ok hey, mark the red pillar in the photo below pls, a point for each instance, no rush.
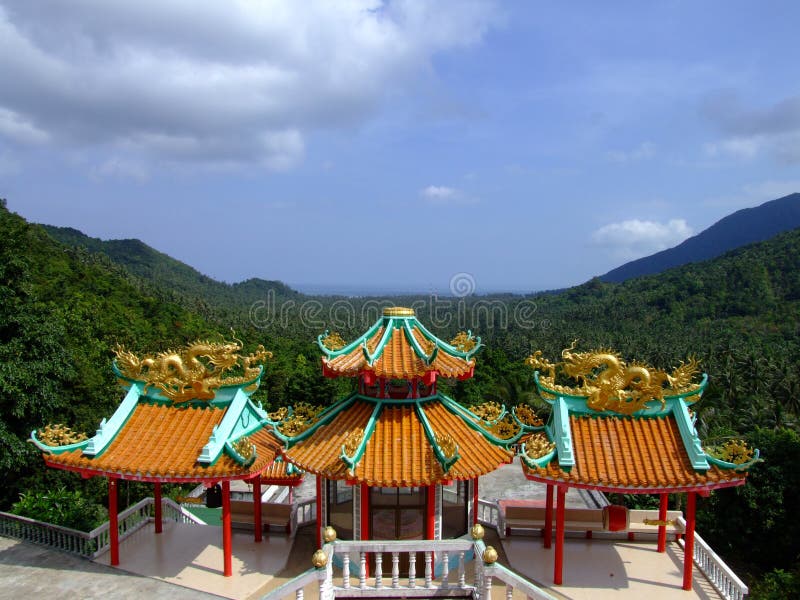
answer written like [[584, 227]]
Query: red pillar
[[226, 528], [113, 525], [558, 564], [257, 507], [548, 517], [688, 543], [662, 529], [157, 499], [319, 511], [475, 502], [430, 506]]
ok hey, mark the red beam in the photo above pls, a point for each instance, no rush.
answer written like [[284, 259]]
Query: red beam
[[662, 529], [226, 529], [113, 525], [157, 494], [257, 507], [558, 563], [548, 517], [702, 490], [688, 541]]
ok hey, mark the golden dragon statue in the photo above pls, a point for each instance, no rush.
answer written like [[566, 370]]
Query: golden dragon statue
[[193, 372], [609, 383]]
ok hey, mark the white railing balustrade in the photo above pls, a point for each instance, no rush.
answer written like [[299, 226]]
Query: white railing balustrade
[[489, 514], [37, 532], [304, 513], [439, 579], [714, 568], [97, 541]]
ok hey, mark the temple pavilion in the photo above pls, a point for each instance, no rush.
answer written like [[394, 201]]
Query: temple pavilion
[[384, 454], [625, 428], [187, 416]]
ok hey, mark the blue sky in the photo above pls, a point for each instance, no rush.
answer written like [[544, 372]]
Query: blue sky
[[364, 144]]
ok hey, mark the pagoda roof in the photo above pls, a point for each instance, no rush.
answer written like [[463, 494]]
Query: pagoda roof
[[625, 428], [632, 455], [398, 346], [398, 443], [201, 428]]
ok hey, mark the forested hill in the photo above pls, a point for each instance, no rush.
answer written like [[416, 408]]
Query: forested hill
[[169, 273], [742, 227]]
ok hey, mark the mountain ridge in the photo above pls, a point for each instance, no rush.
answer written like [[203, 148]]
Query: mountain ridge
[[745, 226]]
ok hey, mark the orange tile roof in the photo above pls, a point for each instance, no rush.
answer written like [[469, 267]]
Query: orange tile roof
[[398, 360], [636, 453], [398, 454], [162, 443]]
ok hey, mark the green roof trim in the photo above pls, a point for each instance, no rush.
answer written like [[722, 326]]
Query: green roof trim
[[56, 449], [352, 461], [437, 450], [561, 434], [393, 323], [109, 429]]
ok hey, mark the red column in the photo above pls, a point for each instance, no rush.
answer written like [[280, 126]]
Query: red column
[[475, 502], [319, 511], [157, 499], [226, 528], [548, 517], [113, 525], [430, 506], [257, 507], [558, 565], [688, 543], [662, 529]]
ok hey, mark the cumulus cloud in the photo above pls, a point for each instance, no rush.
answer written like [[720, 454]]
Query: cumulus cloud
[[748, 133], [643, 151], [635, 238], [214, 83], [442, 194]]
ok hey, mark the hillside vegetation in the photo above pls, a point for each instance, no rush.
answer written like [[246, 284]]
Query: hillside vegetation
[[63, 306]]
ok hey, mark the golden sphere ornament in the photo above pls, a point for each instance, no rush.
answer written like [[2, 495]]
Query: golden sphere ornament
[[328, 534], [319, 559], [490, 555], [477, 531]]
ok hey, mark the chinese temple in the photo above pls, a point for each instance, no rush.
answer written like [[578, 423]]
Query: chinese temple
[[625, 428], [187, 416], [398, 459], [383, 454]]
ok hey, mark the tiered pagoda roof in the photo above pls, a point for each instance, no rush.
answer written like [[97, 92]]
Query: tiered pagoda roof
[[186, 417], [398, 346], [398, 430], [627, 428]]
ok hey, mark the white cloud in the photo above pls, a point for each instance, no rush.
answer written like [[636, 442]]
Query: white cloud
[[439, 192], [635, 238], [215, 83], [750, 133], [442, 194], [643, 151]]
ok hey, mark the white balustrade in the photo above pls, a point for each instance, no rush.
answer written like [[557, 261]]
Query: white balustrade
[[720, 575]]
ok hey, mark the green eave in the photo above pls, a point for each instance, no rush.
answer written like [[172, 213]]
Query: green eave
[[395, 325]]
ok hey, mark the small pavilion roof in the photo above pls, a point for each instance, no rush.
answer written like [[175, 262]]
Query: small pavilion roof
[[625, 428], [201, 428], [398, 443], [398, 346]]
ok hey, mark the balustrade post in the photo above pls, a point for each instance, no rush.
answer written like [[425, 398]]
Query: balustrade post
[[428, 569], [462, 575], [378, 570], [445, 569], [487, 584], [362, 576], [395, 570], [412, 570], [346, 570]]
